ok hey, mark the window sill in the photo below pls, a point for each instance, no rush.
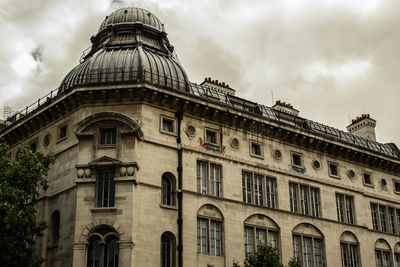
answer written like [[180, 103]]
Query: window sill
[[369, 185], [170, 207], [257, 156], [334, 176], [61, 139], [106, 209], [168, 133], [100, 146]]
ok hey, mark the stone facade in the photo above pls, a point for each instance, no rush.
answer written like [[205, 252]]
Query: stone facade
[[154, 125]]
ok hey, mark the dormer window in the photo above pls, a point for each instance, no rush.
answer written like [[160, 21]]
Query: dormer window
[[108, 136]]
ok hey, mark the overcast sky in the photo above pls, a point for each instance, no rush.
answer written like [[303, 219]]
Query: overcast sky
[[331, 59]]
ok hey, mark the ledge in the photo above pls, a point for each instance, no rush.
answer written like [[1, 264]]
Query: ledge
[[168, 207], [107, 209]]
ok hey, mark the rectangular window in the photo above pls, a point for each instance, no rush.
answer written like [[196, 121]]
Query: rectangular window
[[202, 236], [304, 200], [297, 160], [62, 132], [247, 188], [382, 258], [256, 149], [167, 125], [254, 236], [367, 178], [33, 146], [349, 254], [209, 237], [392, 220], [209, 179], [259, 189], [105, 189], [385, 219], [108, 136], [396, 186], [374, 215], [333, 169], [345, 208], [211, 137]]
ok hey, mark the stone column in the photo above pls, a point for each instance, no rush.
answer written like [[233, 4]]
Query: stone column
[[125, 253]]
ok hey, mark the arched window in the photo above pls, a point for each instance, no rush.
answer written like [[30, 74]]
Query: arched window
[[103, 249], [168, 189], [382, 254], [397, 255], [349, 250], [308, 245], [209, 231], [260, 229], [55, 227], [168, 253]]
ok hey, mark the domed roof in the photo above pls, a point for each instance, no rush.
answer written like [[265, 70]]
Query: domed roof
[[131, 46], [132, 15]]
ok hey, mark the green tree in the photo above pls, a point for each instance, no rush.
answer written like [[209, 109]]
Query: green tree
[[266, 256], [20, 182]]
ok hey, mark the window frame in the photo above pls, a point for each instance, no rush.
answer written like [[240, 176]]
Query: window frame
[[269, 189], [102, 130], [337, 166], [60, 132], [111, 188], [301, 252], [395, 181], [260, 147], [170, 192], [346, 217], [371, 184], [172, 120], [208, 238], [210, 183], [305, 204], [382, 252], [350, 245], [217, 137], [104, 242], [381, 221], [254, 229], [292, 158]]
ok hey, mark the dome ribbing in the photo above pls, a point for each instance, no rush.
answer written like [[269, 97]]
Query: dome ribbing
[[131, 46]]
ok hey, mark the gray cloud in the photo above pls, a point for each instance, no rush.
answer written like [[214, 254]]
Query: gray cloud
[[330, 60]]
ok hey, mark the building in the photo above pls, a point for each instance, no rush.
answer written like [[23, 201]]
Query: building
[[154, 170]]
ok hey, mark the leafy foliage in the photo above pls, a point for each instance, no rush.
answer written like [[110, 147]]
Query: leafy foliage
[[266, 256], [20, 182]]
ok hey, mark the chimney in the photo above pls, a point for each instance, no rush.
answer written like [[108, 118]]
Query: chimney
[[363, 126], [220, 86], [286, 108]]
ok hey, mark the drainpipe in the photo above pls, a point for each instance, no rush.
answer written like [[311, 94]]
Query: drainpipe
[[179, 117]]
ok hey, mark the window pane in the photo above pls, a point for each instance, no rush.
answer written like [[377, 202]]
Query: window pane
[[258, 190], [273, 239], [261, 236], [315, 206], [105, 189], [345, 255], [353, 256], [202, 236], [247, 187], [304, 199], [318, 256], [391, 216], [349, 209], [215, 179], [202, 177], [378, 258], [374, 215], [248, 240], [397, 260], [382, 215], [271, 195], [94, 253], [111, 252], [386, 259], [340, 207], [215, 242], [293, 198], [297, 247], [166, 191], [307, 247]]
